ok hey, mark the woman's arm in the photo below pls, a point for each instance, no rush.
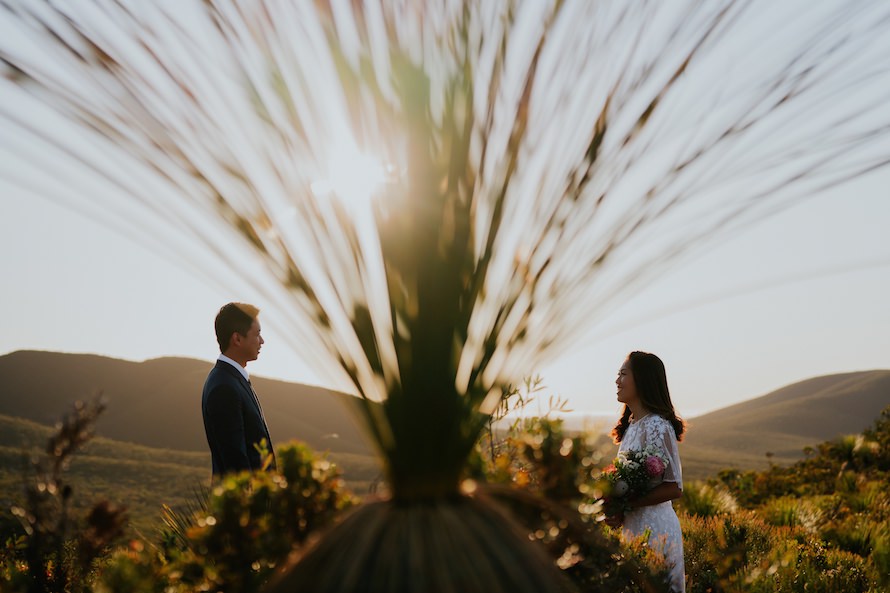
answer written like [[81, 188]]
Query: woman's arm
[[662, 493]]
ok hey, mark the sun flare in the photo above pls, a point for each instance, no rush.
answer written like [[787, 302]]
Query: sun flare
[[353, 176]]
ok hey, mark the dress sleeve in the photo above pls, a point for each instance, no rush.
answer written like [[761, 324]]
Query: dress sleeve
[[661, 434]]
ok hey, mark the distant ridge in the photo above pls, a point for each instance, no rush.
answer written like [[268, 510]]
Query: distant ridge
[[157, 403], [785, 421]]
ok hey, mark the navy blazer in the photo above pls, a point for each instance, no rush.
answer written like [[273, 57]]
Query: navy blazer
[[233, 421]]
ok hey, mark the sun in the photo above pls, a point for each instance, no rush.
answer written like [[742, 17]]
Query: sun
[[353, 176]]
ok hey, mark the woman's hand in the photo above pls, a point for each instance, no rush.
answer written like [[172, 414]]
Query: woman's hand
[[614, 521]]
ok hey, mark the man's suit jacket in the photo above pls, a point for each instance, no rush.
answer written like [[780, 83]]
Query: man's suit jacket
[[233, 421]]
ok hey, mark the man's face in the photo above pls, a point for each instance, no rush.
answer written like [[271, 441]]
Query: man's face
[[249, 345]]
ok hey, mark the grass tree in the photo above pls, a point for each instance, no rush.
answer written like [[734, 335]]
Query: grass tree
[[435, 197]]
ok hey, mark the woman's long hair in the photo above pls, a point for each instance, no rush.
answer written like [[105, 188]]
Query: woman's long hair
[[651, 381]]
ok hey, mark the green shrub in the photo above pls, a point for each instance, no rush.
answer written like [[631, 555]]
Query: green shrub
[[880, 553], [248, 526], [136, 568], [790, 511], [870, 497], [809, 567], [61, 544], [703, 567], [721, 551], [705, 500], [547, 478]]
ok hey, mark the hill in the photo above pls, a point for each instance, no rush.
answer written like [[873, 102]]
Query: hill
[[784, 422], [157, 403]]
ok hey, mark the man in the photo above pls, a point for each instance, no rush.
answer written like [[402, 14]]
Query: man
[[233, 418]]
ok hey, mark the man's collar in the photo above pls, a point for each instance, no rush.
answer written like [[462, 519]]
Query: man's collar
[[240, 368]]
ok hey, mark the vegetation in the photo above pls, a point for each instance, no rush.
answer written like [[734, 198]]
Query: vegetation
[[822, 524], [58, 547], [230, 539], [241, 532], [786, 529], [548, 479]]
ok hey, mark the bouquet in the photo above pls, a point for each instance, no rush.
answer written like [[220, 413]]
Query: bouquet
[[631, 475]]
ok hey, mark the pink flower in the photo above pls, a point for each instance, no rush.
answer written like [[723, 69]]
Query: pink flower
[[654, 466]]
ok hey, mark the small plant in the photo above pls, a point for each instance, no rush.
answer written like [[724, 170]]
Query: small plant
[[60, 545], [706, 500], [880, 553], [792, 512], [177, 521]]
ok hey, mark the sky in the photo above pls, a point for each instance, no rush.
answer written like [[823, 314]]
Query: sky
[[801, 294]]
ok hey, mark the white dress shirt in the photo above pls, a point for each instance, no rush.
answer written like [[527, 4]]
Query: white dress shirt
[[240, 368]]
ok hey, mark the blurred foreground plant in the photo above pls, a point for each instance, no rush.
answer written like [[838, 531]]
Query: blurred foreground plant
[[61, 544], [548, 477], [434, 197], [240, 533]]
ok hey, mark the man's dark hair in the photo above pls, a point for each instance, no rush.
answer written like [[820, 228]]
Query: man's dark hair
[[232, 318]]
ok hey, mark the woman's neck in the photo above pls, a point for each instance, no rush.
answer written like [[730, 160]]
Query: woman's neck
[[638, 411]]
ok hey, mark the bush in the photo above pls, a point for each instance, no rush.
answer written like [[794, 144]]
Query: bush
[[547, 478], [705, 500], [880, 553], [790, 511], [60, 547], [723, 551], [704, 568], [248, 526], [807, 566]]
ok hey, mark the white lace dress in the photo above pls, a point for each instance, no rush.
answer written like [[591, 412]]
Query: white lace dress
[[660, 519]]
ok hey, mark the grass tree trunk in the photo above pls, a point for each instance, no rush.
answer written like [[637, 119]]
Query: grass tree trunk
[[456, 544]]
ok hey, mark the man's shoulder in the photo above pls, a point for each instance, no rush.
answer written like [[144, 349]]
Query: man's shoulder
[[221, 386], [221, 375]]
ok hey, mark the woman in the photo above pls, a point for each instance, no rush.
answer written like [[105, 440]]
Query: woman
[[649, 419]]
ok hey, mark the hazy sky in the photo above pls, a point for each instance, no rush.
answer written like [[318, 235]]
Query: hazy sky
[[801, 294]]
